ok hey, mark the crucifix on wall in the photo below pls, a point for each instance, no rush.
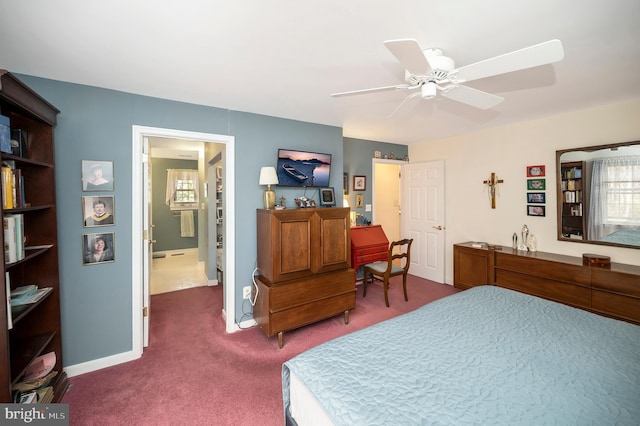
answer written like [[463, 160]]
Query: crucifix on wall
[[492, 185]]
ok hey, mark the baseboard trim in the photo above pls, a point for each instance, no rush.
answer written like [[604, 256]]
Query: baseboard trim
[[99, 364]]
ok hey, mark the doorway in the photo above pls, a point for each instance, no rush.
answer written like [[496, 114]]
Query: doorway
[[179, 245], [141, 226], [386, 196]]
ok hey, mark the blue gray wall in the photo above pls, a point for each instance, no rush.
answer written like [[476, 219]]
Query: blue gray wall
[[166, 231], [96, 124], [357, 162]]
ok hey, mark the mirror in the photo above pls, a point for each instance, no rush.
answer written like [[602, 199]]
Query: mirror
[[598, 191]]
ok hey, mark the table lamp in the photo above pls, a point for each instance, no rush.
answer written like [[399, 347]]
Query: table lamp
[[269, 177]]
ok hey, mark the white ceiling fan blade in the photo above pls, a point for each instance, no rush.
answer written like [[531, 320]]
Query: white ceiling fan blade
[[410, 55], [373, 90], [473, 97], [529, 57]]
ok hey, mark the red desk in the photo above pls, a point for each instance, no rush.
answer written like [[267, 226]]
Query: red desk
[[368, 244]]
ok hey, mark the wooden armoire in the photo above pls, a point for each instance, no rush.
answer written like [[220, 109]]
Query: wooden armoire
[[304, 272]]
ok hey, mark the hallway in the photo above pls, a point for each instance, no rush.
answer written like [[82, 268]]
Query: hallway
[[177, 271]]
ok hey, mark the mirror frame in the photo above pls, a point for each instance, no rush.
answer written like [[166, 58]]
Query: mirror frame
[[559, 192]]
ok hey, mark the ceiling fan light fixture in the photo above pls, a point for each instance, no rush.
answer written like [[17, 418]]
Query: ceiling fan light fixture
[[429, 90]]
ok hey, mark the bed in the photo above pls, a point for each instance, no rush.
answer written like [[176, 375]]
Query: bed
[[629, 237], [487, 355]]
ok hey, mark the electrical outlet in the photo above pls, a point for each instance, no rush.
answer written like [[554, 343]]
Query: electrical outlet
[[246, 292]]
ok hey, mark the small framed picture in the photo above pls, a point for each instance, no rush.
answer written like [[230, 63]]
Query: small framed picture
[[536, 197], [359, 183], [345, 184], [98, 211], [535, 171], [97, 175], [97, 248], [536, 184], [327, 197], [359, 201], [535, 211]]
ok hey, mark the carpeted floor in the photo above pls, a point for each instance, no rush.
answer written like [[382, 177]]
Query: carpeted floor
[[193, 373]]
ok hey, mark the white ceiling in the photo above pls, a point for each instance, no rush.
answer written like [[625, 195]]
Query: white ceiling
[[284, 57]]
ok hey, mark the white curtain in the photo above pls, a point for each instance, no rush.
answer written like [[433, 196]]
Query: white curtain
[[614, 181], [597, 202], [173, 176]]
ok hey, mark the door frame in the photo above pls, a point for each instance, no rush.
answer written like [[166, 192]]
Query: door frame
[[138, 279]]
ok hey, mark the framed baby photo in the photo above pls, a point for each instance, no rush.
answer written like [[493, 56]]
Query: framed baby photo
[[535, 211], [536, 184], [98, 210], [97, 248], [535, 171], [97, 175]]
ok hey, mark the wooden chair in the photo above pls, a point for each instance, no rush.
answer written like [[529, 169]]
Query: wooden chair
[[388, 269]]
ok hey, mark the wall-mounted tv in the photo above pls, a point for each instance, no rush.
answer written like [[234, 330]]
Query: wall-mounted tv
[[303, 168]]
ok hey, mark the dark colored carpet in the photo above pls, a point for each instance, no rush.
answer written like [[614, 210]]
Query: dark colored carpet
[[194, 373]]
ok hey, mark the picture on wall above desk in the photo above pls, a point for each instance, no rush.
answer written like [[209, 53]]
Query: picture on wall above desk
[[359, 183], [345, 184], [98, 211], [97, 175]]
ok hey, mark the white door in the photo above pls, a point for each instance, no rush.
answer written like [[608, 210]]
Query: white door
[[147, 244], [423, 217]]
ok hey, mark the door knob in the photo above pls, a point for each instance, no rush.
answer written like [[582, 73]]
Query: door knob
[[439, 227]]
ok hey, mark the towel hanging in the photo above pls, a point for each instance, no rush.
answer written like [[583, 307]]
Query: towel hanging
[[186, 224]]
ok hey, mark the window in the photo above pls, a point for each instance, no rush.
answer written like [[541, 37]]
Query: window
[[182, 189], [621, 182], [185, 192]]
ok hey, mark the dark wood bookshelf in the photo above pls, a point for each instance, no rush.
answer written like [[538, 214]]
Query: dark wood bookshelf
[[35, 329]]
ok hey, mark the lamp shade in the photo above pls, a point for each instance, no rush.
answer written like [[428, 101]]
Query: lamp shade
[[268, 176]]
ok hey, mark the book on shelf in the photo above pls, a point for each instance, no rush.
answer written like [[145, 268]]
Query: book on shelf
[[12, 186], [7, 283], [13, 225], [30, 298], [28, 398], [24, 290], [7, 186], [45, 395]]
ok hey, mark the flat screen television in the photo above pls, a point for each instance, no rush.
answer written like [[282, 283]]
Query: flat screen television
[[303, 168]]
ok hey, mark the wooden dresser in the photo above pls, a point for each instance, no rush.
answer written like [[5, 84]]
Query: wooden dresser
[[612, 292], [368, 244], [304, 268]]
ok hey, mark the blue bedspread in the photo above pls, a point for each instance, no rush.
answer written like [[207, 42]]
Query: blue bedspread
[[486, 356], [629, 237]]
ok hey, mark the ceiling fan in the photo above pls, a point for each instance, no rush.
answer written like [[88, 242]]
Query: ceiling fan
[[428, 71]]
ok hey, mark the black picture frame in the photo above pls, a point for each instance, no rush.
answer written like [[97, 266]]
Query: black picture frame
[[536, 197], [327, 197], [359, 183], [536, 210]]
